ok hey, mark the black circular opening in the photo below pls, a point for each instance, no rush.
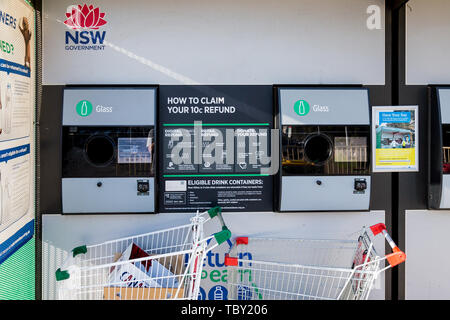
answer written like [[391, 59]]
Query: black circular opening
[[318, 148], [99, 150]]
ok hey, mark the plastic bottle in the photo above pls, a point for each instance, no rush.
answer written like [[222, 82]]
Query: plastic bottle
[[84, 109]]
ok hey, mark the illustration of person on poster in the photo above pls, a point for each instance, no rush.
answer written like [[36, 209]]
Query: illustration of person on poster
[[24, 28]]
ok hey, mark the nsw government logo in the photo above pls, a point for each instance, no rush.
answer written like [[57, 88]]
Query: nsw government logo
[[84, 23], [301, 107]]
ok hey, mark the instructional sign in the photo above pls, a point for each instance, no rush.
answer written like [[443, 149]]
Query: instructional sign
[[395, 138], [17, 107], [215, 148]]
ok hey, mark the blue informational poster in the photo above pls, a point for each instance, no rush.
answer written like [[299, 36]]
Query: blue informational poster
[[17, 109]]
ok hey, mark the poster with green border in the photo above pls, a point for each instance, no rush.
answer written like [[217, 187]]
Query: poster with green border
[[17, 163]]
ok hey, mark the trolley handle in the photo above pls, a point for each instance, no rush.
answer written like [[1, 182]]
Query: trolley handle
[[397, 256], [225, 234], [64, 274]]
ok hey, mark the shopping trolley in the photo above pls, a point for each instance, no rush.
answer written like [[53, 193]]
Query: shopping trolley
[[299, 269], [165, 264]]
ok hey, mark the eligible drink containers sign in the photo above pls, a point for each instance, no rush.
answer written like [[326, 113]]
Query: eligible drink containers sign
[[395, 138]]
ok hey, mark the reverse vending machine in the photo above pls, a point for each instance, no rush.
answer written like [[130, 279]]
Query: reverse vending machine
[[439, 147], [325, 148], [108, 137]]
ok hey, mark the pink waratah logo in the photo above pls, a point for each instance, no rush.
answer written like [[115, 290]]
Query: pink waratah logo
[[84, 17]]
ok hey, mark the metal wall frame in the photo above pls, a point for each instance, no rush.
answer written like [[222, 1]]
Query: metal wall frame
[[390, 186]]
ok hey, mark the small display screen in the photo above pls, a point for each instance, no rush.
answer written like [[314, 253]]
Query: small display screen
[[134, 150]]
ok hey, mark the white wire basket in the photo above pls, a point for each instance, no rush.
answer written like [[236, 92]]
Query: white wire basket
[[165, 264], [305, 269]]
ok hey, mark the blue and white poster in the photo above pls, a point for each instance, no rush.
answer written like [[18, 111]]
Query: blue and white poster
[[17, 108]]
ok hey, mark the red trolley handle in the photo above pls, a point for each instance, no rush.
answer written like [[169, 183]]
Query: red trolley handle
[[397, 256]]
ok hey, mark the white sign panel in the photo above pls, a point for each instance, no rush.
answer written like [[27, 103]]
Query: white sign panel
[[219, 42], [427, 42]]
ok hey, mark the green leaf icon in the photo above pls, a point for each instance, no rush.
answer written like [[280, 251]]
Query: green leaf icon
[[301, 107], [84, 108]]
